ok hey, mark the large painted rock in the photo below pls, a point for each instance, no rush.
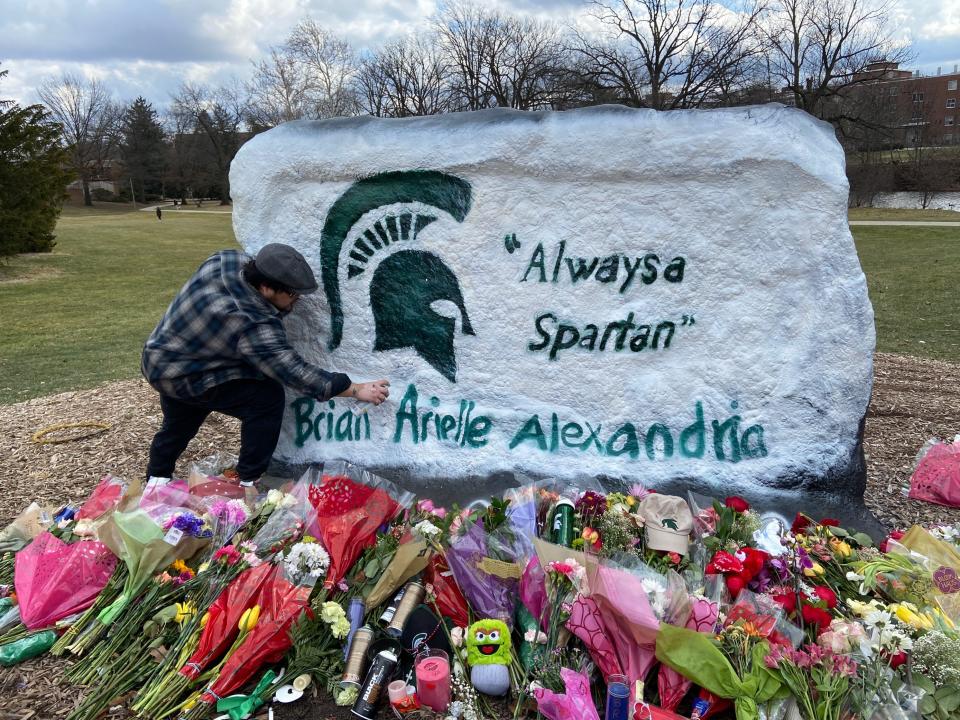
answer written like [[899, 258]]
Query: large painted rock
[[647, 296]]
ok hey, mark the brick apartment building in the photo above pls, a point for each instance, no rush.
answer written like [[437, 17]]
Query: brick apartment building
[[923, 110]]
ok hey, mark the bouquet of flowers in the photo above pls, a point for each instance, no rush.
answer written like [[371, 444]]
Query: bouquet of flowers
[[490, 584], [219, 630], [55, 580], [350, 505], [284, 597], [145, 543]]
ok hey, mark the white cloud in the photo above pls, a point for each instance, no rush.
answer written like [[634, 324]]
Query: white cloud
[[148, 47], [934, 19]]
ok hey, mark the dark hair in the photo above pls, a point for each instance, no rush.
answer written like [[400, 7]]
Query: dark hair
[[253, 275]]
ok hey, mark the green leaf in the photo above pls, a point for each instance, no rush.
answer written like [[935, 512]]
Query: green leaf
[[839, 532], [863, 539], [951, 702], [928, 705], [372, 568], [924, 683]]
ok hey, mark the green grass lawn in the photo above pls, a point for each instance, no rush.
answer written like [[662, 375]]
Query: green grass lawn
[[895, 214], [79, 316], [912, 274]]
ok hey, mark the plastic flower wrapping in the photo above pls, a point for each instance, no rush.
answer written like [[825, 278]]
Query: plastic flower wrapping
[[54, 580], [197, 595], [350, 504]]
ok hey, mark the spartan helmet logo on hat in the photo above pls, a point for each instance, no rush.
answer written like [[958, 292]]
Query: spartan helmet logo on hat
[[407, 281]]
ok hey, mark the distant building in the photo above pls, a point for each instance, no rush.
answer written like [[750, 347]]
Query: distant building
[[75, 189], [922, 110]]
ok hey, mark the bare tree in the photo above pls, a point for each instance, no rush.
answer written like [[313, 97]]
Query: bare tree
[[329, 63], [669, 54], [278, 90], [463, 31], [525, 63], [309, 76], [89, 118], [499, 60], [407, 77], [819, 49], [216, 116]]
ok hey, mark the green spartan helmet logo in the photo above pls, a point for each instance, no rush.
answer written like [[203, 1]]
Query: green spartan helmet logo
[[408, 281]]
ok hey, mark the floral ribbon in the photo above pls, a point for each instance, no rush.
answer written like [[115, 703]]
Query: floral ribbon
[[241, 706]]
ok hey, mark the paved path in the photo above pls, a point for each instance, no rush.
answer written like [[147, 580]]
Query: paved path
[[169, 207]]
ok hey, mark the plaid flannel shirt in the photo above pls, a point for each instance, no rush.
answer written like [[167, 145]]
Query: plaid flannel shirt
[[220, 328]]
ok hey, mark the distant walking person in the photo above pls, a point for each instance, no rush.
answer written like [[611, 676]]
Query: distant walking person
[[159, 213]]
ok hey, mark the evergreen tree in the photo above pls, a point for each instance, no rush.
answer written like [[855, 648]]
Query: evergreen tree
[[32, 178], [142, 148]]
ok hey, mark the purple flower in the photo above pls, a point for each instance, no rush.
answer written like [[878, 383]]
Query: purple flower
[[761, 582], [779, 568]]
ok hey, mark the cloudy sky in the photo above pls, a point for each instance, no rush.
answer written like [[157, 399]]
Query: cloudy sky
[[148, 47]]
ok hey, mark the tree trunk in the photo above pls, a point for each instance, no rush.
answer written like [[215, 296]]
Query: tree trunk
[[87, 198]]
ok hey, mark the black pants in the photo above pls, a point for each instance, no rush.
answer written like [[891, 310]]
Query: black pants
[[258, 404]]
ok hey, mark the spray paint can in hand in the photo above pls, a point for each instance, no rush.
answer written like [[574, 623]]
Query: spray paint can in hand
[[374, 688]]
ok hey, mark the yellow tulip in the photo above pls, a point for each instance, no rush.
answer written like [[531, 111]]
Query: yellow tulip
[[631, 500], [248, 621], [204, 619], [906, 615], [841, 548], [817, 569], [185, 611]]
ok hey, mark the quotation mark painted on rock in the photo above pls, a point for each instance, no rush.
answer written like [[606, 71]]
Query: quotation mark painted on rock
[[511, 243], [687, 320]]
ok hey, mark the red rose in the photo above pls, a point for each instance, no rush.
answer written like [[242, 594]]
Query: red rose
[[817, 617], [737, 504], [897, 660], [753, 562], [735, 584], [895, 535], [826, 595], [788, 601], [830, 522], [800, 523], [723, 563]]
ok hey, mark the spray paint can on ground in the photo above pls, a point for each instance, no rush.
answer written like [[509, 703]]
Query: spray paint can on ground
[[387, 617], [356, 657], [413, 595], [374, 688], [563, 515], [355, 615]]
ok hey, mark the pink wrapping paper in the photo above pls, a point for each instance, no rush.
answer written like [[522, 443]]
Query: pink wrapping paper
[[55, 580], [575, 704], [671, 684]]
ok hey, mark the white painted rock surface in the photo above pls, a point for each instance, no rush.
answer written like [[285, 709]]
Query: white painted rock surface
[[647, 296]]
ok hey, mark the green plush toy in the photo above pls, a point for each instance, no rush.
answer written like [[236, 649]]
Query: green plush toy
[[488, 652]]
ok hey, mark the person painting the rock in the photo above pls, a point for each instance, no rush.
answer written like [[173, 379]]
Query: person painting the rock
[[221, 347]]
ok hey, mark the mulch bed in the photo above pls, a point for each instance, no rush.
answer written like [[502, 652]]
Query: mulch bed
[[913, 400]]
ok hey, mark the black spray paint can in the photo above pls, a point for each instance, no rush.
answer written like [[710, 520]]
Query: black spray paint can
[[374, 688], [387, 617]]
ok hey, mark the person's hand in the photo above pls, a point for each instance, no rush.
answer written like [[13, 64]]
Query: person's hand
[[372, 392]]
